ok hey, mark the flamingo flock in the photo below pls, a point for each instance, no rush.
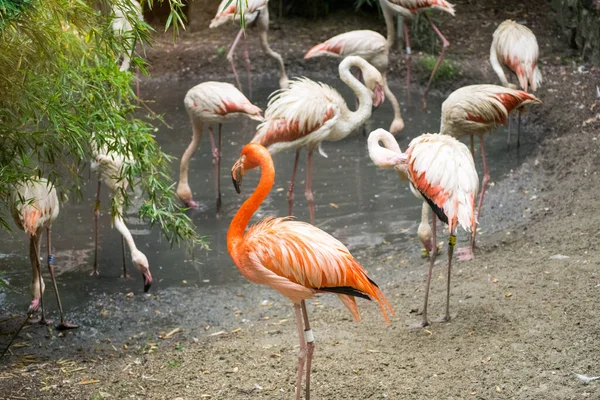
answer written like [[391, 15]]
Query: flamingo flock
[[296, 258]]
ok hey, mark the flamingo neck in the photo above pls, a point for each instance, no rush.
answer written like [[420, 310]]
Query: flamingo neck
[[388, 16], [240, 222], [354, 119]]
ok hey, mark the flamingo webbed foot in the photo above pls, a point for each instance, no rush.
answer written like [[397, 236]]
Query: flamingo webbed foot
[[465, 253], [444, 318], [66, 325], [95, 272], [421, 324]]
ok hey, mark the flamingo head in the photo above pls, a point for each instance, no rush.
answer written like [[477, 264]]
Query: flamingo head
[[140, 262], [252, 154], [374, 82]]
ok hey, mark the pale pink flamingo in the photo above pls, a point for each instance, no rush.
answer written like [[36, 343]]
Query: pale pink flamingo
[[34, 207], [123, 29], [256, 14], [516, 47], [477, 110], [308, 113], [441, 171], [408, 8], [211, 103], [369, 45], [110, 166], [294, 258]]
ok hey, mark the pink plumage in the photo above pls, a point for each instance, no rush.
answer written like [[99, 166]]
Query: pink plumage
[[515, 46]]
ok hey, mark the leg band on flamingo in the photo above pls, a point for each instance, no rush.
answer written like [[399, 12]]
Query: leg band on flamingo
[[309, 336]]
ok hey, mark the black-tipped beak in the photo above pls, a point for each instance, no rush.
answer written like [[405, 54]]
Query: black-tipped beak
[[147, 287], [236, 185]]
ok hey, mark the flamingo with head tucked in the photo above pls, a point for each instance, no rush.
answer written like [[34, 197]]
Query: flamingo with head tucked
[[408, 8], [369, 45], [34, 207], [256, 14], [516, 47], [211, 103], [441, 171], [308, 113], [294, 258]]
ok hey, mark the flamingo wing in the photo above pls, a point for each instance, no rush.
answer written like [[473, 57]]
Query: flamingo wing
[[290, 253], [219, 99], [361, 43], [415, 5], [302, 114], [442, 170], [517, 47]]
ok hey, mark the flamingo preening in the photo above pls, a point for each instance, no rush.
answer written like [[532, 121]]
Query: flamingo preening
[[308, 113], [110, 166], [369, 45], [122, 29], [515, 46], [256, 14], [294, 258], [211, 103], [408, 8], [477, 110], [441, 171], [34, 207]]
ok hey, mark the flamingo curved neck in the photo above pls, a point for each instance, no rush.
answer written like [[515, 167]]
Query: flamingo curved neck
[[242, 217], [354, 119]]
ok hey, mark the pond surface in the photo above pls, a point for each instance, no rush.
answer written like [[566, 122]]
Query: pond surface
[[357, 203]]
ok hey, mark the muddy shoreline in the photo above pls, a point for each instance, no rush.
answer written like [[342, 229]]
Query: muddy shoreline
[[525, 322]]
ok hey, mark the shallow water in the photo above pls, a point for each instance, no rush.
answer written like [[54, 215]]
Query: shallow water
[[357, 203]]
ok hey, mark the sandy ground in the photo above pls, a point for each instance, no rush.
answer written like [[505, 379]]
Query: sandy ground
[[525, 321]]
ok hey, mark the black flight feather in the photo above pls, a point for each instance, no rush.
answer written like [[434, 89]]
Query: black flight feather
[[438, 211], [350, 291]]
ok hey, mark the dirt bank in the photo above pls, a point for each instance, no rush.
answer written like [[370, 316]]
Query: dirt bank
[[526, 321]]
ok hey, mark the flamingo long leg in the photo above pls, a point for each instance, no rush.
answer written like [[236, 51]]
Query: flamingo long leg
[[247, 60], [472, 139], [432, 256], [451, 243], [408, 57], [509, 126], [445, 44], [230, 57], [124, 259], [216, 163], [96, 217], [310, 347], [486, 178], [518, 128], [308, 191], [35, 244], [219, 154], [63, 324], [301, 352], [290, 194]]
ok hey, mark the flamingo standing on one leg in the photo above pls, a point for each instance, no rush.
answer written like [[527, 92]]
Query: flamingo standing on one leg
[[256, 14], [408, 8], [122, 28], [294, 258], [307, 113], [477, 110], [372, 47], [211, 102], [516, 47], [110, 166], [441, 172], [34, 207]]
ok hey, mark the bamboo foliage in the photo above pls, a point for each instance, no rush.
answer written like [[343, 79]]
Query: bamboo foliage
[[60, 84]]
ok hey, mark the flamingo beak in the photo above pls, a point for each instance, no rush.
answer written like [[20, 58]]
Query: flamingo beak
[[147, 281], [378, 96], [237, 173]]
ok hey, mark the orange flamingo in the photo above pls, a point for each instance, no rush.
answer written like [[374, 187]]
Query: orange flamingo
[[477, 110], [372, 47], [293, 257], [441, 171], [34, 207], [408, 8], [308, 113], [517, 48], [211, 103]]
